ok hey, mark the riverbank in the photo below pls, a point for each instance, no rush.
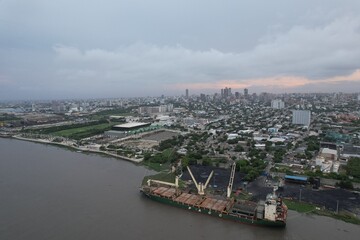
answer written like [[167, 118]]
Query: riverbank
[[308, 208], [300, 207], [83, 149]]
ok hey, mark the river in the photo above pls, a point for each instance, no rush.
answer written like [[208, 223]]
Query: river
[[48, 192]]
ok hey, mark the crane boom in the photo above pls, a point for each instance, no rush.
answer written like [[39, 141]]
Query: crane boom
[[200, 187], [176, 184], [193, 178], [208, 180], [231, 180]]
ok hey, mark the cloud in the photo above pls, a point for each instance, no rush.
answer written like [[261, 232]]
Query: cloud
[[279, 84], [296, 58], [153, 49]]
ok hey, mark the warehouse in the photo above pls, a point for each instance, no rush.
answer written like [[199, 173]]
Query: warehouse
[[131, 126], [296, 179]]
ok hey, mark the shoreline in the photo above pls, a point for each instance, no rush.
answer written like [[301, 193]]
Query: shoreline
[[341, 217], [75, 148]]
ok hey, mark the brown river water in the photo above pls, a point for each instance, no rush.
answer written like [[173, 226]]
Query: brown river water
[[48, 192]]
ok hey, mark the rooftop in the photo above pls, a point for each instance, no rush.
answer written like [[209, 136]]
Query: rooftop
[[131, 125], [297, 178]]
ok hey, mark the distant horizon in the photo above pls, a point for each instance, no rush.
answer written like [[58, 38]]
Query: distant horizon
[[180, 95]]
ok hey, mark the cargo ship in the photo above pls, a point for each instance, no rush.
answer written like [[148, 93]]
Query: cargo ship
[[271, 212]]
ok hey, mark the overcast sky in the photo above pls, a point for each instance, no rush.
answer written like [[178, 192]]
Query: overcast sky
[[115, 48]]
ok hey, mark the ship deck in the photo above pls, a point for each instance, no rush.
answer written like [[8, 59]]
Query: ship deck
[[205, 202]]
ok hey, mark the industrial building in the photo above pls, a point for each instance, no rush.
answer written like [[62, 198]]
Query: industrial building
[[328, 160], [130, 126], [296, 179], [156, 109], [301, 117]]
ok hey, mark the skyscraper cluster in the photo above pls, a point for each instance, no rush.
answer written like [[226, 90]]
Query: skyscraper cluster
[[226, 92]]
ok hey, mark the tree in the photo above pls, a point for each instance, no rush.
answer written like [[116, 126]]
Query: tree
[[289, 145], [206, 161], [353, 167], [238, 148], [233, 141], [268, 146], [241, 164], [345, 184], [147, 156]]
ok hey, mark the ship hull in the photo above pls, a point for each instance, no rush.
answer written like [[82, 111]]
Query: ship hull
[[223, 215]]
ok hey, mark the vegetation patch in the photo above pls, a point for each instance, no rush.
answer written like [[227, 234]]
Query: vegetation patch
[[116, 111], [301, 207], [8, 117], [156, 166], [83, 132], [353, 168], [304, 207]]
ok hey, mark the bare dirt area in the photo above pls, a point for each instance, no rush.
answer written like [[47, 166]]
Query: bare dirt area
[[160, 136], [141, 144]]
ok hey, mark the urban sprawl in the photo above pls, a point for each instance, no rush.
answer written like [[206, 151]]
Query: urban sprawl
[[307, 145]]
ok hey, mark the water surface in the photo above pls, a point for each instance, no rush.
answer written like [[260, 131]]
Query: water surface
[[47, 192]]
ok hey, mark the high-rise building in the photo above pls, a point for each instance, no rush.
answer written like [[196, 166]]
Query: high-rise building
[[226, 92], [301, 117], [187, 93], [277, 104], [246, 92], [237, 95]]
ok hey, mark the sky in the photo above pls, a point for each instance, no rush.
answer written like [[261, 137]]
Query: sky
[[133, 48]]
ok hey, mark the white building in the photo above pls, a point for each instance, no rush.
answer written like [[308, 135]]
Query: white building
[[156, 109], [277, 104], [301, 117], [328, 160]]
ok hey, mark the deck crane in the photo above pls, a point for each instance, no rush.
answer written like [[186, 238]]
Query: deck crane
[[231, 181], [176, 184], [200, 187]]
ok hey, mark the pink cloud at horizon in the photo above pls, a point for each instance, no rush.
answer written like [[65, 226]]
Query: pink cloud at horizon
[[286, 82]]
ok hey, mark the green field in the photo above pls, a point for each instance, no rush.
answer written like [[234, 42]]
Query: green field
[[157, 166], [83, 132], [299, 206], [106, 113]]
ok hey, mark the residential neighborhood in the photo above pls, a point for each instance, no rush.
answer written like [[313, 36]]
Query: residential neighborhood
[[270, 137]]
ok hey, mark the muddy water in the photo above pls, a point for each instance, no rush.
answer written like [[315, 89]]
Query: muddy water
[[47, 192]]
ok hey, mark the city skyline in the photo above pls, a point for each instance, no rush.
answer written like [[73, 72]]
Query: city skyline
[[132, 48]]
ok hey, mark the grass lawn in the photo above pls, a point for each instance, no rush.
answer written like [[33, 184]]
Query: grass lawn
[[83, 132], [156, 166], [299, 206]]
